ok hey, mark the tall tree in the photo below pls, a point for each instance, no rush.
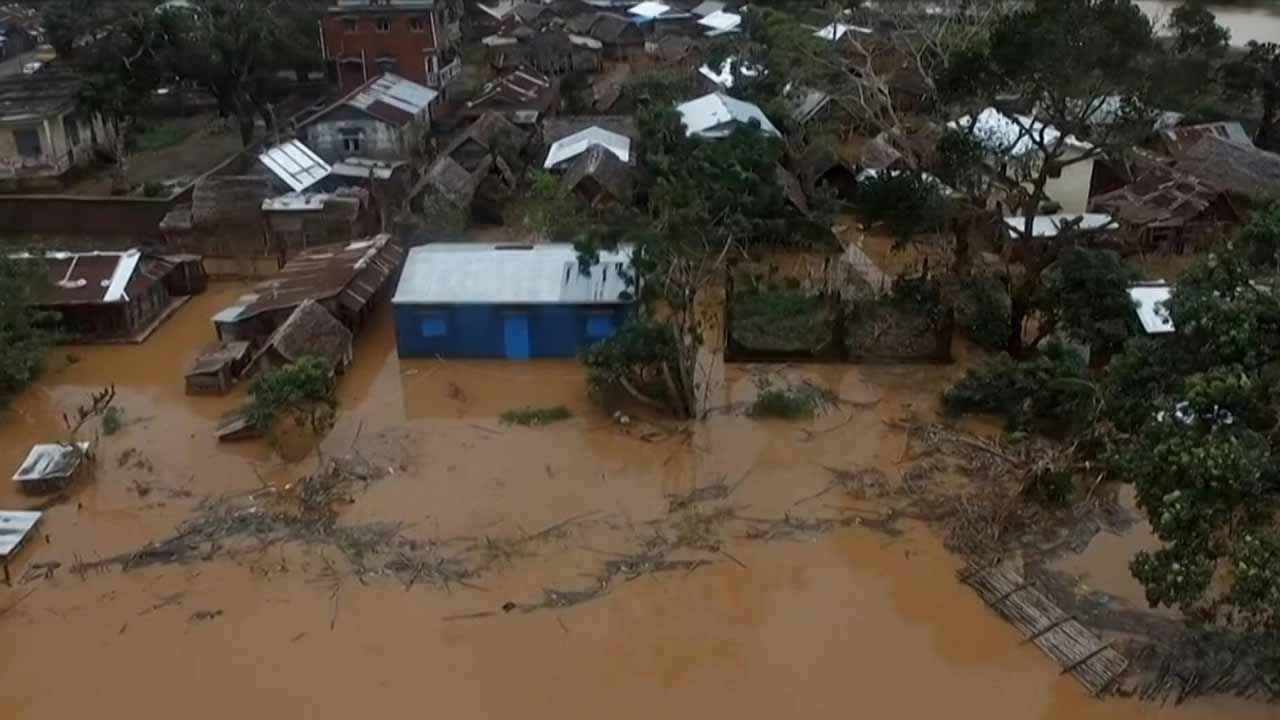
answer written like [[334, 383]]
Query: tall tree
[[1255, 77], [119, 71], [1079, 68], [1196, 30], [24, 334]]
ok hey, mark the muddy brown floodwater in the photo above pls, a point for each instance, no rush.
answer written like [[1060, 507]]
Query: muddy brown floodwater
[[853, 623]]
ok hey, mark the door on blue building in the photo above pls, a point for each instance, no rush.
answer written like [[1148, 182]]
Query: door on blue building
[[515, 326]]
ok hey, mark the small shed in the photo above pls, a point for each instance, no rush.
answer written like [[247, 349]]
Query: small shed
[[216, 368], [15, 527], [50, 467], [598, 176], [467, 300], [310, 330]]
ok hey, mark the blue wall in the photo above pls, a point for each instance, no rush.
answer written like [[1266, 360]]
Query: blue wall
[[490, 331]]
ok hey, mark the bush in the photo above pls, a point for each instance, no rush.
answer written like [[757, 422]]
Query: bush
[[535, 417], [112, 421], [982, 311], [781, 320], [640, 361], [160, 137], [1049, 388], [784, 404]]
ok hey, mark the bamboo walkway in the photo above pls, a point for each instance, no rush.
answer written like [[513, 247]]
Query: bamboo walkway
[[1095, 664]]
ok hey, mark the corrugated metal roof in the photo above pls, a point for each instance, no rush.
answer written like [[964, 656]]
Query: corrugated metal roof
[[710, 115], [388, 97], [1011, 135], [295, 164], [728, 72], [15, 526], [1046, 226], [837, 31], [351, 272], [564, 150], [649, 9], [358, 167], [1150, 302], [710, 7], [720, 22], [50, 460], [87, 277], [474, 274]]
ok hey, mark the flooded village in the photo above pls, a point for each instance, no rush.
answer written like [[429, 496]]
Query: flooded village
[[660, 357]]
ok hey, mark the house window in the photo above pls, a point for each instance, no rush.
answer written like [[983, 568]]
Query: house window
[[28, 142], [72, 126], [388, 65], [384, 24], [352, 139], [349, 25], [433, 325], [416, 25], [600, 325]]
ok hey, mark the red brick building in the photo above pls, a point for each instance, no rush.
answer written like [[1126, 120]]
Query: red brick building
[[366, 38]]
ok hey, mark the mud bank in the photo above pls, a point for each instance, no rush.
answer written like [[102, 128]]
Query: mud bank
[[853, 620]]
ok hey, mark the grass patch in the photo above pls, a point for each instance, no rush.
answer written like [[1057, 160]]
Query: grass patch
[[800, 402], [112, 421], [781, 320], [159, 137], [536, 417]]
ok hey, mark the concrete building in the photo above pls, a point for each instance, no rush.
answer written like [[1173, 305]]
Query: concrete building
[[387, 118], [42, 132], [513, 302], [362, 39]]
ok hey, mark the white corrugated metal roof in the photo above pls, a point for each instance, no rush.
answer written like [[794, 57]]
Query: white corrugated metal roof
[[50, 460], [710, 7], [295, 164], [709, 115], [359, 167], [397, 92], [838, 30], [476, 274], [649, 9], [721, 22], [120, 277], [1044, 226], [1012, 135], [570, 147], [1150, 302], [295, 202], [15, 526]]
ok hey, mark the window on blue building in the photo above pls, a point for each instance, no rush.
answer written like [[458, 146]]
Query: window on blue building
[[433, 325], [600, 325]]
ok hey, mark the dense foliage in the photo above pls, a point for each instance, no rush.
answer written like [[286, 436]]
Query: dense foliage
[[1049, 390], [302, 392], [24, 334]]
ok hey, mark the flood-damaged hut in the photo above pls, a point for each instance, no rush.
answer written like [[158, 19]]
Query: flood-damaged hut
[[598, 177], [51, 466], [216, 368], [347, 279], [522, 95], [15, 527], [109, 296], [223, 223], [310, 331], [1170, 211], [480, 168]]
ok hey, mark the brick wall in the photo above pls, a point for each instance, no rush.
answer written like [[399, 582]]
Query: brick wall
[[367, 44]]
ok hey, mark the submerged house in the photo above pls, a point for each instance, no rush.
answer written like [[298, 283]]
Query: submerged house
[[104, 296], [346, 279], [43, 132], [1013, 141], [51, 466], [386, 118], [309, 331], [515, 302]]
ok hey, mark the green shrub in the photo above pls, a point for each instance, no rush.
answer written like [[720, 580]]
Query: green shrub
[[781, 320], [982, 311], [800, 402], [1048, 388], [112, 421], [536, 417]]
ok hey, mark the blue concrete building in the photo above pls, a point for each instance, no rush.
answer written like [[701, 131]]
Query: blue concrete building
[[469, 300]]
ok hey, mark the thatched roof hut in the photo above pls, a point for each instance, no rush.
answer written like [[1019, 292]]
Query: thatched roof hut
[[598, 174], [310, 331]]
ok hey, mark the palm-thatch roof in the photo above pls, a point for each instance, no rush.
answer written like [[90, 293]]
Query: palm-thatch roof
[[1237, 168], [310, 331], [598, 171], [455, 183], [1164, 198]]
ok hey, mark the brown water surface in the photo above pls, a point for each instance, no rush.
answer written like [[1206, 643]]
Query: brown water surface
[[855, 623]]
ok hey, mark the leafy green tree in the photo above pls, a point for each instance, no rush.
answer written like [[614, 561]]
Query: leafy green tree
[[25, 336], [1255, 77], [119, 71], [1085, 294], [301, 393], [1049, 390], [1199, 415], [1196, 30], [909, 204], [1260, 237], [1109, 46]]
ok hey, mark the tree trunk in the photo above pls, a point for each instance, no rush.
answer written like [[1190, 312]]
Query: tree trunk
[[1266, 127], [244, 120], [120, 174], [1018, 309], [961, 228]]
